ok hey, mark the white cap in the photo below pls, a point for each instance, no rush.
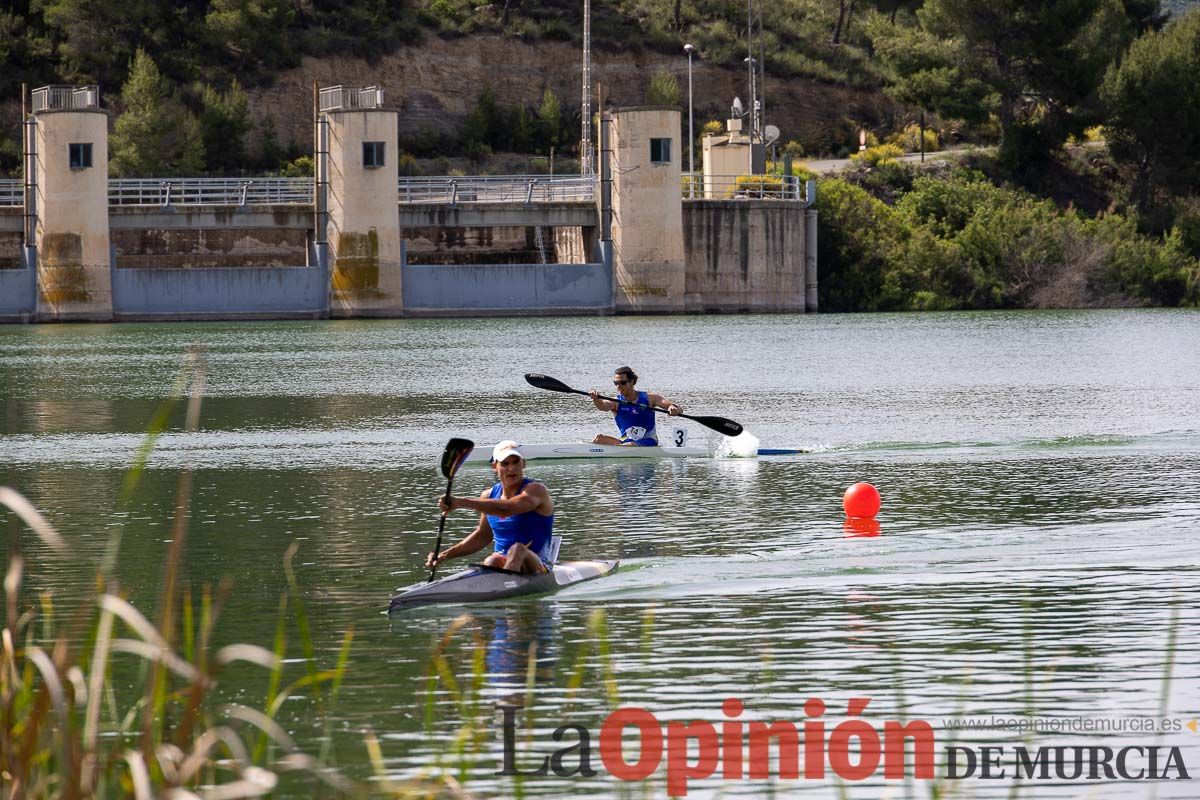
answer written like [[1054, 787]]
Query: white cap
[[505, 449]]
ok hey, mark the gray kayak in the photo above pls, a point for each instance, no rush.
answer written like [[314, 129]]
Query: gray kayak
[[479, 584]]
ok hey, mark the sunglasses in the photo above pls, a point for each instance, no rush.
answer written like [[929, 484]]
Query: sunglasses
[[620, 383]]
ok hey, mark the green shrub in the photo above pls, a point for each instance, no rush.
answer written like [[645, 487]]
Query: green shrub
[[1187, 221], [910, 139], [556, 28], [406, 165], [799, 65], [887, 180], [932, 275], [800, 170], [302, 167], [948, 205], [964, 243], [878, 154], [1153, 271], [518, 28], [1009, 249], [858, 238], [755, 186], [1092, 134], [445, 14], [663, 90]]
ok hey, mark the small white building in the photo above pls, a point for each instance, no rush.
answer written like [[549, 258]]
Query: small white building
[[728, 155]]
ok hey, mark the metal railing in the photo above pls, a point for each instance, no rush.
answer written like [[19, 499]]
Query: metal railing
[[527, 189], [210, 191], [54, 98], [696, 186], [11, 193], [498, 189], [350, 98]]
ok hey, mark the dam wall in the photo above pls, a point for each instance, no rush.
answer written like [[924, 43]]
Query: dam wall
[[358, 241]]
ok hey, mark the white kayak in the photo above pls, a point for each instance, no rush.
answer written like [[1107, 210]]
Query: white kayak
[[482, 454], [481, 584]]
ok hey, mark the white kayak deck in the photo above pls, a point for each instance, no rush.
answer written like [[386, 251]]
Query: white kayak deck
[[482, 454], [481, 584]]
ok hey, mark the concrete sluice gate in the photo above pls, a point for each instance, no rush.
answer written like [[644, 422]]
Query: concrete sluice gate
[[357, 242]]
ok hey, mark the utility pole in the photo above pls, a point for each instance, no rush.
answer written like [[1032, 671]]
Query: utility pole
[[762, 72]]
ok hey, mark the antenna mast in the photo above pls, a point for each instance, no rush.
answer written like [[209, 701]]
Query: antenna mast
[[757, 76], [585, 143]]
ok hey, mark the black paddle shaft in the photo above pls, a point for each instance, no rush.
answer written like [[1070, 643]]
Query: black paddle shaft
[[456, 452], [719, 424]]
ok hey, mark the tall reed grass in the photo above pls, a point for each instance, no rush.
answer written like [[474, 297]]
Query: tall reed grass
[[70, 729]]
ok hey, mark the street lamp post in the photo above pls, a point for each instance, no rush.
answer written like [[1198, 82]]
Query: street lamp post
[[687, 48]]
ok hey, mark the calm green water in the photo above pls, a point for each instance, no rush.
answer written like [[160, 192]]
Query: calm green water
[[1039, 472]]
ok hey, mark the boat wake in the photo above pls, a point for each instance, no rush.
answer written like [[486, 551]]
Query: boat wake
[[744, 445]]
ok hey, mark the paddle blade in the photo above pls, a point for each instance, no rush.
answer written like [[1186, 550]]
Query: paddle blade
[[720, 425], [546, 382], [456, 453]]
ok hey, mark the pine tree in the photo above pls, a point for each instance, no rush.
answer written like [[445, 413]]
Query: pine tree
[[24, 49], [155, 135], [522, 133], [1035, 64], [97, 39], [253, 32], [550, 119], [480, 126], [225, 122], [270, 152], [663, 90], [1153, 108]]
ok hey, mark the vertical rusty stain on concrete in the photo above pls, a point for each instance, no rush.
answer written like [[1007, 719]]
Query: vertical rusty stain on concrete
[[356, 271], [712, 221], [743, 215], [61, 277]]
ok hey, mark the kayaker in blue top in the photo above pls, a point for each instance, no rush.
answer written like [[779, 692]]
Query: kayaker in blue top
[[516, 515], [634, 420]]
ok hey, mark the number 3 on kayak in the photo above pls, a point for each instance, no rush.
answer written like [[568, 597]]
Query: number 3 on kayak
[[679, 437]]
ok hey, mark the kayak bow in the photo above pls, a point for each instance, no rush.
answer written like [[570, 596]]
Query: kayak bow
[[479, 584]]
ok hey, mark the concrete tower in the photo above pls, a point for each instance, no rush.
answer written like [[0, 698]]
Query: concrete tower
[[70, 149], [363, 222], [647, 207]]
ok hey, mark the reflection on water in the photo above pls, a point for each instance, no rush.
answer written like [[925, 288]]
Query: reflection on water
[[517, 636], [857, 526], [634, 478], [1039, 472], [518, 639]]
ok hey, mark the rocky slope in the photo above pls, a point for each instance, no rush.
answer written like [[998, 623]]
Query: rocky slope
[[435, 85]]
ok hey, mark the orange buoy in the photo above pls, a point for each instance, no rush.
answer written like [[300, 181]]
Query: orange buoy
[[861, 500]]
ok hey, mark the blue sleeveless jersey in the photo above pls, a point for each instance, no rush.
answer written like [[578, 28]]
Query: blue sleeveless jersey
[[636, 423], [530, 529]]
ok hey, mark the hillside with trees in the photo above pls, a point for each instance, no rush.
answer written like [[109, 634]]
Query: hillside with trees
[[877, 62], [1082, 114]]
